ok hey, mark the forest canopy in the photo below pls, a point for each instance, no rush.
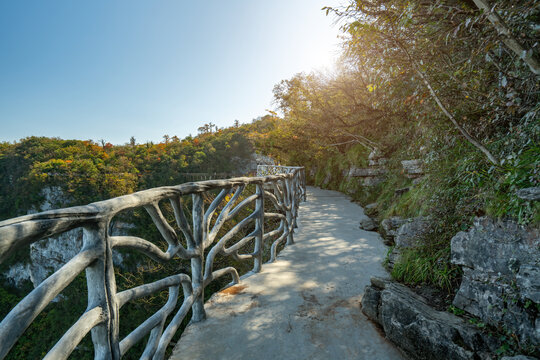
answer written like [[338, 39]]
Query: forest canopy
[[88, 171]]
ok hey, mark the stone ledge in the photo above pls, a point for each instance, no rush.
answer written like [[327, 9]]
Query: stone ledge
[[421, 331]]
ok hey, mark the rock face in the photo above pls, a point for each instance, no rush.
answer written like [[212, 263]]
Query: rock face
[[501, 276], [404, 232], [48, 255], [421, 331], [368, 172]]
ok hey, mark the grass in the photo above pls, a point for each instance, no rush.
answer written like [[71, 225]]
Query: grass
[[423, 266]]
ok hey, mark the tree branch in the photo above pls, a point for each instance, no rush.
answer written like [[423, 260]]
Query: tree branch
[[451, 117], [507, 38]]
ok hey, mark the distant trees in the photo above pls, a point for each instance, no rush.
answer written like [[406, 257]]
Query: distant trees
[[207, 129], [88, 171]]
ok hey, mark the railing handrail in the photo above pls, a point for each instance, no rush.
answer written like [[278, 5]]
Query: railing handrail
[[95, 257], [80, 215]]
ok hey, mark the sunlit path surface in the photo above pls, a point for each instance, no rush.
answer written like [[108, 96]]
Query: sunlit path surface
[[306, 305]]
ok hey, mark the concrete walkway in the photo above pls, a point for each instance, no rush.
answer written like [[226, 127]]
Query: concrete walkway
[[306, 305]]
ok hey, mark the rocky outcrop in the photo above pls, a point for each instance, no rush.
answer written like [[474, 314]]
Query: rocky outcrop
[[501, 276], [412, 168], [410, 232], [367, 172], [389, 228], [403, 233], [421, 331], [372, 175], [367, 176], [48, 255], [375, 158]]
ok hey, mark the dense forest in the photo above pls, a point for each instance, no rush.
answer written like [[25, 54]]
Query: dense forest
[[452, 83], [87, 171], [434, 81]]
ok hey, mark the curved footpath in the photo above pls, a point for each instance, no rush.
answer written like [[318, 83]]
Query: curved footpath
[[306, 305]]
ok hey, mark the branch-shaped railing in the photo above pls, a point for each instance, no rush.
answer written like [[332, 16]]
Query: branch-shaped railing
[[200, 243]]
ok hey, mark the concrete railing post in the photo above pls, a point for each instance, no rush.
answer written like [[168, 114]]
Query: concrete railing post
[[289, 214], [197, 263], [259, 228], [101, 285]]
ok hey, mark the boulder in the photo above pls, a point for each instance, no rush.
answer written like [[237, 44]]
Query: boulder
[[389, 228], [501, 276], [410, 233], [392, 258], [421, 331], [367, 223]]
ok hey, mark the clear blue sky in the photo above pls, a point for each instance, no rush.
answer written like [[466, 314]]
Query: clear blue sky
[[110, 70]]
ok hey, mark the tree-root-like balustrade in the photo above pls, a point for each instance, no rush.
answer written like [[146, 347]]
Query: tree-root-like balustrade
[[199, 242]]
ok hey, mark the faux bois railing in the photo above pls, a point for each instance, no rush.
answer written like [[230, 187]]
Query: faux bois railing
[[198, 242]]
